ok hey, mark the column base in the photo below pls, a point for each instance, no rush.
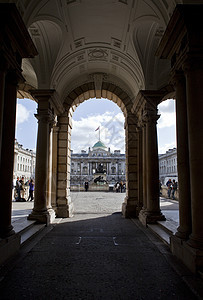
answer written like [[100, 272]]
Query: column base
[[44, 217], [65, 211], [147, 217], [9, 247], [6, 232], [130, 211], [191, 257], [181, 234]]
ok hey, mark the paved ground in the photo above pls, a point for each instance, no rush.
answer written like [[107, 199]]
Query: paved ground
[[97, 254]]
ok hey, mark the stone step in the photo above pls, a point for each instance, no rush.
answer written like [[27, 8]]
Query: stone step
[[31, 232], [26, 228], [169, 226], [160, 232]]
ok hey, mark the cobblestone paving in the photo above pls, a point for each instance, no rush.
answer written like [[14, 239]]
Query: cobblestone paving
[[97, 254]]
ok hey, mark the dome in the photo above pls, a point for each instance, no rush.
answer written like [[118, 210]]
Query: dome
[[99, 144]]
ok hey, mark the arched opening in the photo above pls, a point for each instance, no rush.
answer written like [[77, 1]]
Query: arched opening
[[98, 154], [168, 171], [79, 95], [24, 158]]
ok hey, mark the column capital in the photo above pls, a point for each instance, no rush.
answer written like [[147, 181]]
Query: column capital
[[42, 94], [45, 116]]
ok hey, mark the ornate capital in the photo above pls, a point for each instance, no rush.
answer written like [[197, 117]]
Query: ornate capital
[[45, 116]]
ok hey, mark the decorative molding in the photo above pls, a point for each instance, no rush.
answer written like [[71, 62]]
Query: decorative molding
[[123, 1], [116, 43], [79, 43], [34, 31], [97, 54]]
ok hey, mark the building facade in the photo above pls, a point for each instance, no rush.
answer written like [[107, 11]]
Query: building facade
[[85, 164], [24, 162], [168, 166]]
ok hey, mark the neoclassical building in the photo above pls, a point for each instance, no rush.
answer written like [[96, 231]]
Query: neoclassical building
[[24, 162], [168, 166], [137, 54], [85, 164]]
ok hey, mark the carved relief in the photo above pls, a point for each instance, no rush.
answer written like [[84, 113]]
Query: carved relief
[[98, 54]]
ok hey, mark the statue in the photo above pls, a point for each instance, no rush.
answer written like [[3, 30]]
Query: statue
[[100, 169]]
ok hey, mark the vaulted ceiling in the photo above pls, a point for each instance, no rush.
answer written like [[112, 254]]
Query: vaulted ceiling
[[76, 39]]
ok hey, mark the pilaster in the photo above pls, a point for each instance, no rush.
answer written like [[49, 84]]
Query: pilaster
[[131, 206], [64, 204]]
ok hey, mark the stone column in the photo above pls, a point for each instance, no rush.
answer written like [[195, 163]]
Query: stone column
[[54, 166], [153, 212], [64, 204], [184, 229], [3, 68], [41, 212], [193, 69], [7, 154], [140, 164], [131, 208], [143, 173]]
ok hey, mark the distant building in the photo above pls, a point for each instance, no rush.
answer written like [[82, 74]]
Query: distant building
[[168, 166], [85, 164], [24, 162]]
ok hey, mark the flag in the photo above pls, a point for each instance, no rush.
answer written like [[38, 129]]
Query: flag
[[97, 128]]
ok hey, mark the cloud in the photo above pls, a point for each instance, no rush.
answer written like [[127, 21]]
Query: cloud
[[111, 131], [166, 147], [168, 115], [22, 114]]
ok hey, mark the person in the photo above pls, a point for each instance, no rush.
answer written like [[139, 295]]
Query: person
[[160, 188], [169, 186], [22, 189], [86, 186], [31, 190], [117, 186], [121, 186], [174, 188], [18, 188]]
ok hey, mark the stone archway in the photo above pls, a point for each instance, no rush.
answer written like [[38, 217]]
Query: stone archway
[[62, 202]]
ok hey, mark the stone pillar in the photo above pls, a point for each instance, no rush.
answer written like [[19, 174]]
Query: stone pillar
[[140, 164], [64, 204], [131, 208], [144, 172], [7, 154], [184, 229], [193, 69], [41, 211], [153, 212], [3, 69], [54, 166], [145, 109]]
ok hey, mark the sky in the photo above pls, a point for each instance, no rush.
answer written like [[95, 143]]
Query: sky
[[90, 115]]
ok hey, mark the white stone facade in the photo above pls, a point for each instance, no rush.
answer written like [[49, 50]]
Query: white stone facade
[[24, 162], [168, 166], [84, 164]]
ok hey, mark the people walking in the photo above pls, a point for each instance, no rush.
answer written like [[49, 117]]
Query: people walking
[[22, 189], [169, 186], [117, 186], [174, 188], [18, 189], [31, 190]]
